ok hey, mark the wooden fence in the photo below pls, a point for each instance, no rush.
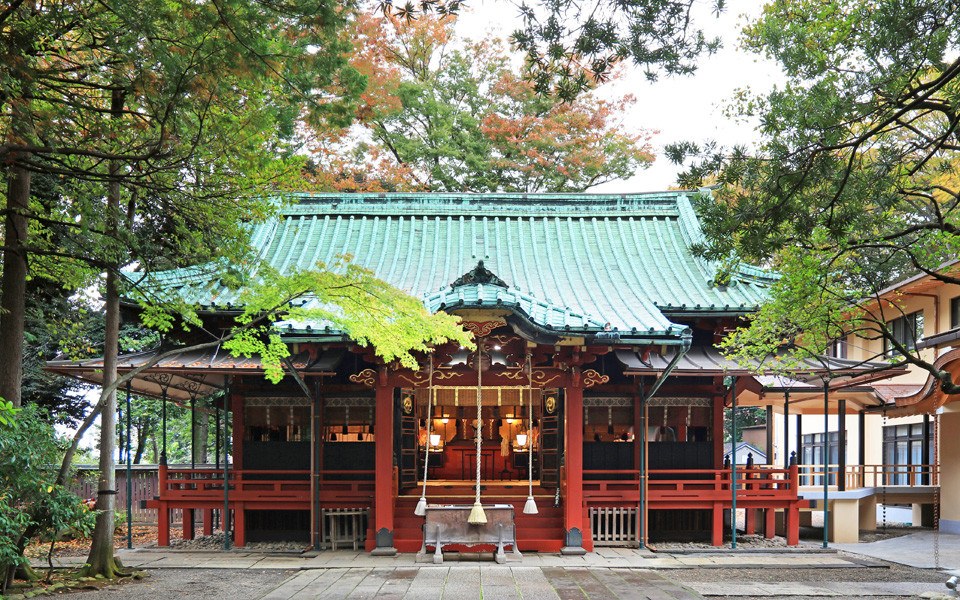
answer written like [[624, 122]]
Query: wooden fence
[[145, 485]]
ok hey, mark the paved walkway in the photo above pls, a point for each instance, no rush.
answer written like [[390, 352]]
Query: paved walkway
[[471, 582], [915, 550], [622, 558]]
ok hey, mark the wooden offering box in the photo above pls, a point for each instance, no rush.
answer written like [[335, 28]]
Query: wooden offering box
[[447, 525]]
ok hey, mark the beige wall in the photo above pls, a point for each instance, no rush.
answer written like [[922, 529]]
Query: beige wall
[[936, 319], [950, 469]]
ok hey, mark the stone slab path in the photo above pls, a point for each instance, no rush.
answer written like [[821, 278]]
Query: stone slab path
[[471, 582]]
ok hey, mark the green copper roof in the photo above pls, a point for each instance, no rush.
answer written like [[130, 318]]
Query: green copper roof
[[576, 261]]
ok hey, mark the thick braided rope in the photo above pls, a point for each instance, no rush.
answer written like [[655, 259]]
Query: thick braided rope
[[530, 426], [479, 423], [426, 460]]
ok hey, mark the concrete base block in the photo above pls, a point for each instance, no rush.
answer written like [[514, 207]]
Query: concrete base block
[[922, 515], [868, 513], [844, 521]]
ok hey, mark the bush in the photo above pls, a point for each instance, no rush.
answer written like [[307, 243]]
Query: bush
[[31, 504]]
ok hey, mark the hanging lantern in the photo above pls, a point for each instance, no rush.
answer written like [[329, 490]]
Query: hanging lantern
[[521, 439], [434, 439]]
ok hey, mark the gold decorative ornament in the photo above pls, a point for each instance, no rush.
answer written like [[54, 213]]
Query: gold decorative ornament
[[482, 328], [550, 405], [592, 378], [367, 377]]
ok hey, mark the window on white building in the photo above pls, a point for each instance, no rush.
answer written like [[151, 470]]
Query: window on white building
[[907, 330], [812, 454], [903, 454]]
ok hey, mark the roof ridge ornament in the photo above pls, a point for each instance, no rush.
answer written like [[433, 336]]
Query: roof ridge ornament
[[479, 275]]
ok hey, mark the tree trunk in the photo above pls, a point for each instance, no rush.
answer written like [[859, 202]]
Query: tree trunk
[[204, 435], [143, 432], [13, 288], [198, 444], [101, 560]]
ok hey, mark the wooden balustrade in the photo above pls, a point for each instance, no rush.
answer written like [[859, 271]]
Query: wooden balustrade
[[860, 476], [248, 485], [693, 485]]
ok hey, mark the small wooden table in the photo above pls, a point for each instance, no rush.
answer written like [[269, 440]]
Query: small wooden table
[[446, 525]]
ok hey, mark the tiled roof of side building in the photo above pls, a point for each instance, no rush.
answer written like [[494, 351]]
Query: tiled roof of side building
[[586, 260]]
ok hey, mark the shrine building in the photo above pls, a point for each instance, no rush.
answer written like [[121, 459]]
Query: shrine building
[[597, 379]]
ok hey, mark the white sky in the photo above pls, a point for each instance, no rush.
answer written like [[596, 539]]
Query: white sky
[[680, 108]]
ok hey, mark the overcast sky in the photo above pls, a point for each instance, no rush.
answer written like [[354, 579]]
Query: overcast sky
[[680, 108]]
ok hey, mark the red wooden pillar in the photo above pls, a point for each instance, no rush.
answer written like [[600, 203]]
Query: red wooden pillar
[[637, 433], [163, 511], [573, 453], [236, 402], [239, 526], [769, 522], [718, 432], [792, 514], [792, 525], [207, 521], [717, 539], [750, 521], [383, 489], [187, 523]]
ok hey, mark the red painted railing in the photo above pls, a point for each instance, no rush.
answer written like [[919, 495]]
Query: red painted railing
[[702, 485], [247, 485]]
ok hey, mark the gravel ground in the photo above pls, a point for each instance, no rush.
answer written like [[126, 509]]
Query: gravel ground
[[893, 573], [215, 542], [175, 584]]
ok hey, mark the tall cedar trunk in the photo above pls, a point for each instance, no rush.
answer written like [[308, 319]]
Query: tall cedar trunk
[[13, 288], [198, 444], [101, 560]]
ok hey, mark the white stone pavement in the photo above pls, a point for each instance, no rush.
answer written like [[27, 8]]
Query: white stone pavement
[[915, 550]]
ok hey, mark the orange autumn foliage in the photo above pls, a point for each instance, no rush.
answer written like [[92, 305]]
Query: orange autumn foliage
[[445, 114]]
